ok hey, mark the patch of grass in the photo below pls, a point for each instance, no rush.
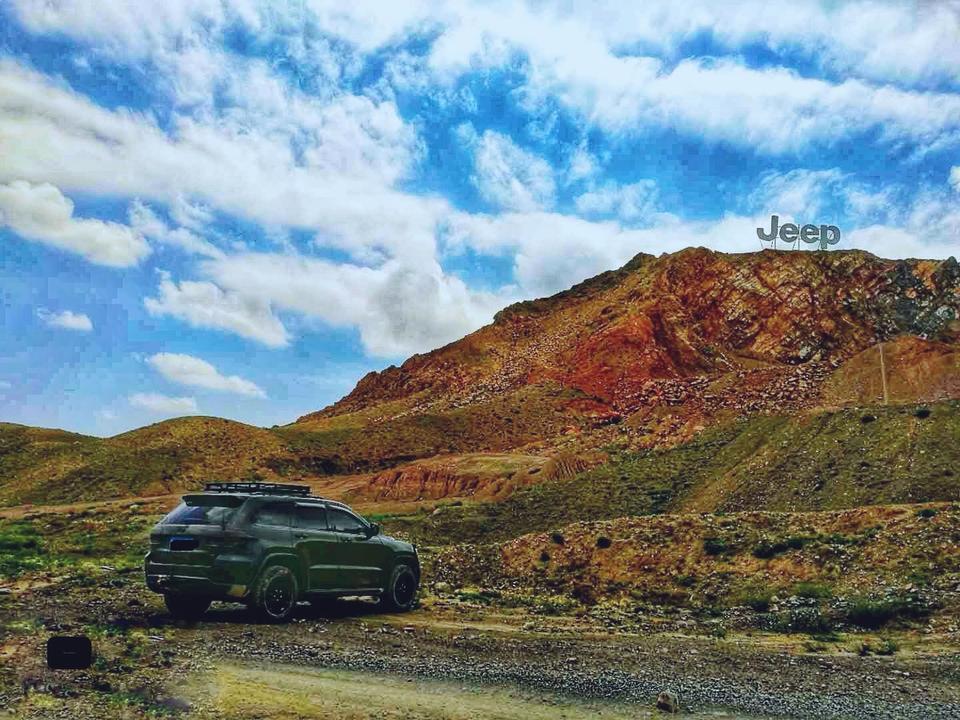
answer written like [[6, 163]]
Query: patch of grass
[[79, 543], [876, 612], [757, 599], [813, 590], [885, 646], [766, 548], [481, 596], [21, 548]]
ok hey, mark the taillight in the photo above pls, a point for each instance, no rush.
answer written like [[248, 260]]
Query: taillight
[[224, 544]]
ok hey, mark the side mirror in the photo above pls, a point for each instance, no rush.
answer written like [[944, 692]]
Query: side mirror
[[373, 529]]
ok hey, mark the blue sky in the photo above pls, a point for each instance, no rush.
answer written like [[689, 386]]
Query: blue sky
[[238, 208]]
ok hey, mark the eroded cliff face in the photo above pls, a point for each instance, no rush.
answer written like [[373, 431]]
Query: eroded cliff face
[[479, 476], [636, 337]]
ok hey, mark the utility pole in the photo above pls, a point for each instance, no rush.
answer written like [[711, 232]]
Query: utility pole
[[883, 375]]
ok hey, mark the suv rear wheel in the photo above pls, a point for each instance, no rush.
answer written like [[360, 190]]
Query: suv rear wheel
[[401, 592], [186, 607], [275, 594]]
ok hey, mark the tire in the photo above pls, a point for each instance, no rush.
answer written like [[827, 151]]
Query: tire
[[275, 594], [186, 607], [401, 592]]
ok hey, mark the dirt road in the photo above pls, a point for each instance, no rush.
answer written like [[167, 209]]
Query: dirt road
[[446, 659]]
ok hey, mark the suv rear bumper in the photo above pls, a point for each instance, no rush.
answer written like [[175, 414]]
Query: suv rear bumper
[[223, 581]]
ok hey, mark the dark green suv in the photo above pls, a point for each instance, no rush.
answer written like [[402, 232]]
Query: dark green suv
[[270, 545]]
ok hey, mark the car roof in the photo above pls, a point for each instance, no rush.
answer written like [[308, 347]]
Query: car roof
[[279, 491]]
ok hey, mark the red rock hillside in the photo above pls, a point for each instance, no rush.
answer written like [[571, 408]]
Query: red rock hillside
[[695, 332]]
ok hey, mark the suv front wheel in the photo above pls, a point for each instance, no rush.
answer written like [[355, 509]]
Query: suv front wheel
[[275, 594], [401, 592], [186, 607]]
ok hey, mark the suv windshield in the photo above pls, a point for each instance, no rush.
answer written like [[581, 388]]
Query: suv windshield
[[197, 514]]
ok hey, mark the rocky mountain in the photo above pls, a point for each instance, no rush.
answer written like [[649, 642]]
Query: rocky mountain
[[649, 356], [693, 334]]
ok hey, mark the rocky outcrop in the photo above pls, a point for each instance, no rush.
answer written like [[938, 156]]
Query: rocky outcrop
[[662, 331], [490, 477]]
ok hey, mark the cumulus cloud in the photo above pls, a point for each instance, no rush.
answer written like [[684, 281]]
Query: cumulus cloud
[[190, 370], [145, 221], [205, 305], [955, 178], [397, 308], [164, 404], [332, 162], [40, 212], [552, 251], [67, 319], [508, 176], [277, 157], [584, 60], [588, 58], [631, 202]]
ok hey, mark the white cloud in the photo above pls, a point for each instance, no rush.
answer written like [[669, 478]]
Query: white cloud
[[397, 308], [66, 319], [193, 216], [586, 56], [164, 404], [551, 252], [955, 178], [244, 162], [582, 164], [189, 370], [632, 202], [510, 177], [40, 212], [798, 193], [586, 59], [203, 304], [147, 223]]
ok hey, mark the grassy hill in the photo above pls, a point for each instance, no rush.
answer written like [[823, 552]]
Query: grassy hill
[[823, 461], [52, 466], [663, 352], [865, 567]]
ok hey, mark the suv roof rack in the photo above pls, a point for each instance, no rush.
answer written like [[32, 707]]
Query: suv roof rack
[[259, 488]]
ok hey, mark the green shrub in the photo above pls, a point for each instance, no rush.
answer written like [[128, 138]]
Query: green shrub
[[926, 513], [812, 590], [715, 546], [756, 598], [808, 620], [873, 613], [767, 549]]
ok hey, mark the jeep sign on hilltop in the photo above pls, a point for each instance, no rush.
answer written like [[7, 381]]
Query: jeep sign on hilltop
[[791, 233]]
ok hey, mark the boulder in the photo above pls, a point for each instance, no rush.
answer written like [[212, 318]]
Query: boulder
[[668, 701]]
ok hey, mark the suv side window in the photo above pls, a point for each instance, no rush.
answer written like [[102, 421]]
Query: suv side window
[[274, 514], [311, 517], [342, 521]]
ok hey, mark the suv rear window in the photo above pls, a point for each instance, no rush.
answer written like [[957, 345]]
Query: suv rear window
[[189, 513]]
